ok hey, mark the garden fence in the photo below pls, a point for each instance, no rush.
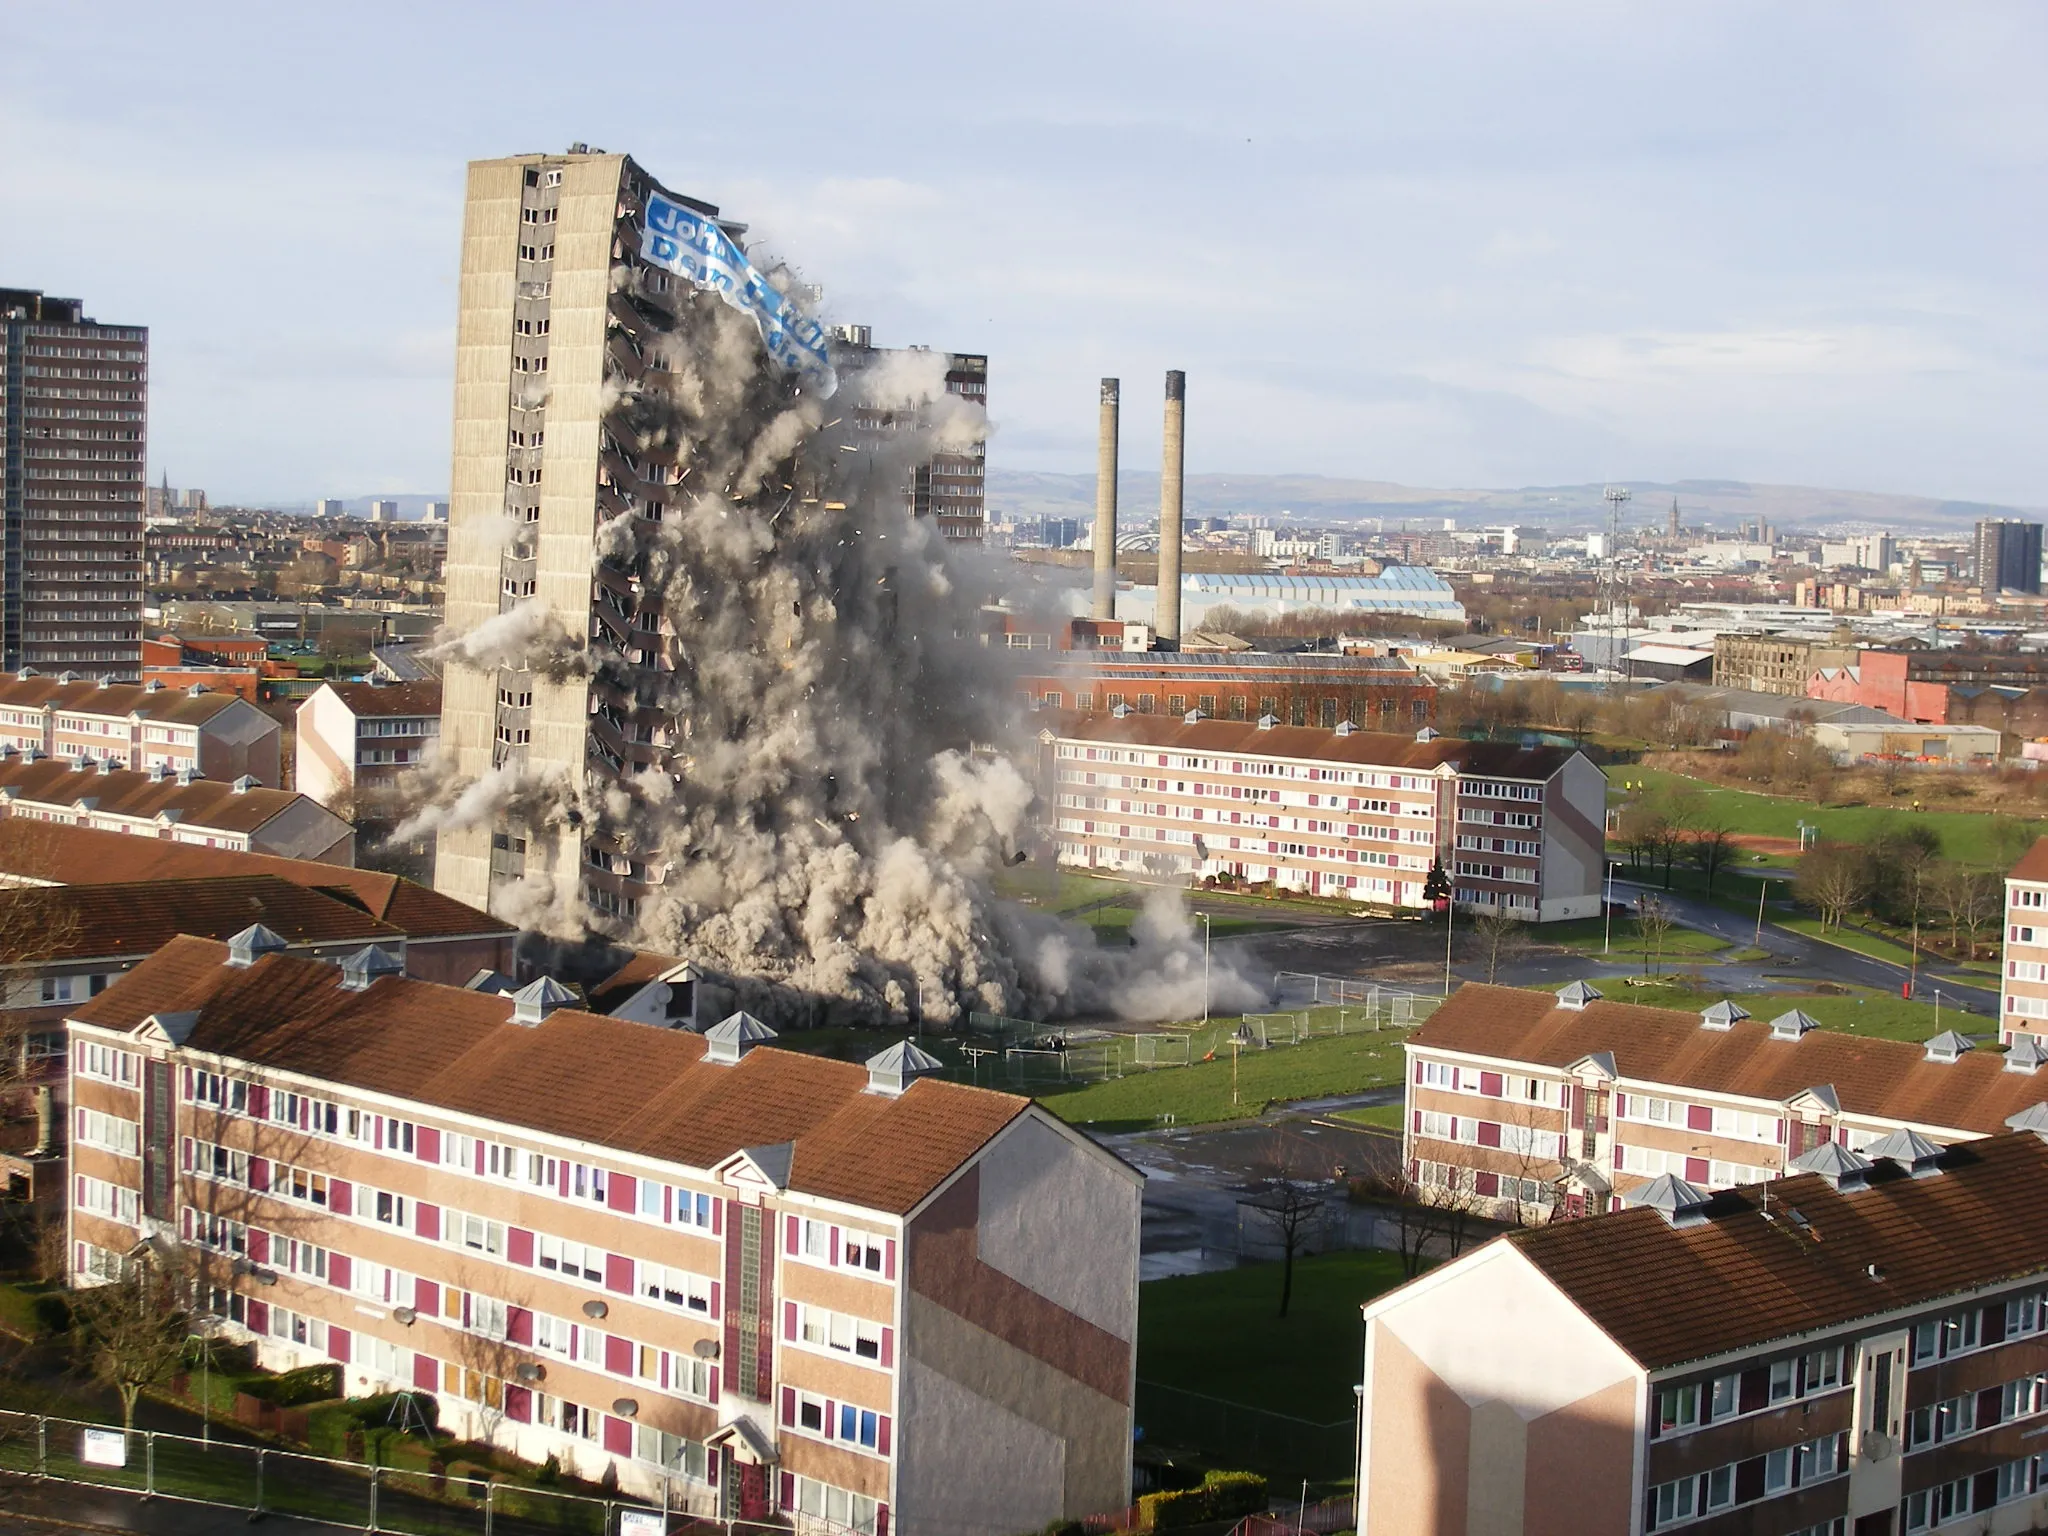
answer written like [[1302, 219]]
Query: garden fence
[[261, 1480]]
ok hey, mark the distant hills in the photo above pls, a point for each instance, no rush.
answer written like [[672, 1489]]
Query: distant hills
[[1320, 499]]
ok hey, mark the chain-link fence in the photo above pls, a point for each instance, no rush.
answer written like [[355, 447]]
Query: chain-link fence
[[1236, 1435], [1371, 1004], [261, 1480]]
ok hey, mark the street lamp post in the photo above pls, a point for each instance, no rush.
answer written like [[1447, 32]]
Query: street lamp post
[[1450, 922], [1607, 911], [1763, 888], [1205, 965]]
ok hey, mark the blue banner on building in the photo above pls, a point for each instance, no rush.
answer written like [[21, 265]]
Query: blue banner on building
[[690, 244]]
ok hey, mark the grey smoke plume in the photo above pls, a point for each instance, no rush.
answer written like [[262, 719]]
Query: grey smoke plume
[[840, 784]]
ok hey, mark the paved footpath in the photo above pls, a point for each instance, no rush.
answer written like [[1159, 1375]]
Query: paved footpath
[[30, 1508]]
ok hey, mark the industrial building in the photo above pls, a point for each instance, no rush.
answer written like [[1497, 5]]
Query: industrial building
[[1542, 1104], [1354, 814], [1399, 591], [1851, 1351], [74, 411], [754, 1284]]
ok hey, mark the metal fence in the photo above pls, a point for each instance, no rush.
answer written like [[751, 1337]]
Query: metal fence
[[1377, 1005], [261, 1480], [1257, 1439]]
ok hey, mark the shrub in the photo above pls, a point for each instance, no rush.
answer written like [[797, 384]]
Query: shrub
[[309, 1384], [1221, 1496], [1233, 1495]]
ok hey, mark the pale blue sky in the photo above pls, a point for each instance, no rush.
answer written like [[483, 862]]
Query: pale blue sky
[[1442, 243]]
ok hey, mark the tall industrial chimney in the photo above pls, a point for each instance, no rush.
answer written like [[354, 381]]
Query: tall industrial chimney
[[1105, 504], [1166, 613]]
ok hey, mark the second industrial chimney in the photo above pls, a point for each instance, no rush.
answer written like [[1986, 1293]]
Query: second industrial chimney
[[1105, 504], [1166, 615]]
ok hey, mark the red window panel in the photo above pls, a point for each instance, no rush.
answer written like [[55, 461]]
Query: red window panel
[[792, 1229], [834, 1255], [1418, 1122], [519, 1404], [259, 1317], [341, 1197], [259, 1173], [426, 1297], [888, 1348], [477, 1155], [1696, 1170], [789, 1490], [1486, 1183], [618, 1355], [881, 1520], [788, 1406], [426, 1144], [259, 1246], [337, 1344], [1489, 1084], [519, 1325], [889, 1260], [882, 1435], [618, 1436], [618, 1273], [1489, 1133], [339, 1269], [1699, 1117], [426, 1373], [427, 1221], [187, 1144], [519, 1246], [620, 1192], [259, 1102], [563, 1182], [188, 1085], [789, 1320]]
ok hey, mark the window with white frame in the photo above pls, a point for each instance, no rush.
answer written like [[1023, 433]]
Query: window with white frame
[[675, 1287], [108, 1064], [573, 1261], [822, 1328], [116, 1202], [838, 1507], [462, 1229], [110, 1133]]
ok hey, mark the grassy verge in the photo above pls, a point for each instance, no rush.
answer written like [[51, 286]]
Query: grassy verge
[[1201, 1093], [1848, 938], [1221, 1334], [1381, 1116], [1588, 934], [1965, 835]]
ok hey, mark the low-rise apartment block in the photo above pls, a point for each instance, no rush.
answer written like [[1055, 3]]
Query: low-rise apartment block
[[444, 940], [140, 726], [180, 807], [858, 1298], [2023, 985], [1859, 1349], [1341, 812], [355, 737], [1540, 1104]]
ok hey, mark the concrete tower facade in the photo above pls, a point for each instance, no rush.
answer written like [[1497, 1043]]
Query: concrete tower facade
[[74, 413], [1173, 463], [1105, 499]]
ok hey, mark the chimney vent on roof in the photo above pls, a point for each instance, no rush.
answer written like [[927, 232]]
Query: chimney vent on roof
[[2025, 1054], [1267, 722], [1575, 995], [1345, 727], [154, 685], [895, 1069], [1681, 1204], [67, 677], [1722, 1015], [360, 970], [1948, 1046], [1192, 717], [190, 774], [1792, 1025], [1910, 1150], [158, 772], [537, 999], [1834, 1162], [732, 1037], [107, 765], [197, 689], [1120, 711], [1427, 734], [2033, 1118], [252, 944], [245, 783]]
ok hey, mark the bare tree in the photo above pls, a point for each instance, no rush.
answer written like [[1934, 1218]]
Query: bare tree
[[1653, 921], [1431, 1219], [1291, 1203], [1523, 1133], [132, 1329], [2011, 838], [1831, 878], [1711, 847], [1499, 937]]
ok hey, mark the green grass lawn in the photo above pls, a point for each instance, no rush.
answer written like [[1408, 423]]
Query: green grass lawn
[[1382, 1116], [1200, 1093], [1587, 934], [1848, 938], [1221, 1334], [1965, 835]]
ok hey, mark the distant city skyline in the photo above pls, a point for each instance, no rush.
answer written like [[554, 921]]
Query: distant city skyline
[[1487, 246]]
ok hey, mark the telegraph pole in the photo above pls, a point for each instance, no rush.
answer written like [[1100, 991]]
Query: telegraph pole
[[1617, 497]]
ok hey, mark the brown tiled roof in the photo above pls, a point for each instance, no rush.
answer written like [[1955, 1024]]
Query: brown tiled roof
[[171, 706], [123, 792], [376, 700], [1891, 1079], [62, 855], [119, 920], [1377, 749], [631, 1087], [629, 978], [2033, 864], [1737, 1281]]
